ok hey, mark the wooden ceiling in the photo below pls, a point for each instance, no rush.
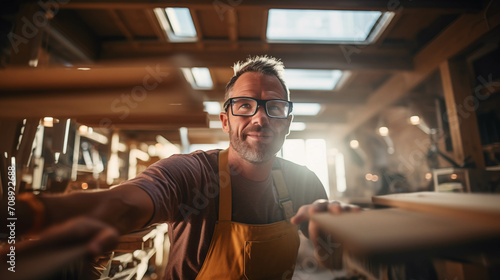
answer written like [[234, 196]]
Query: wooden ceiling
[[135, 84]]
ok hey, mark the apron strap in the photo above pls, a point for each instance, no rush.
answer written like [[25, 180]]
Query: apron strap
[[284, 199], [224, 187]]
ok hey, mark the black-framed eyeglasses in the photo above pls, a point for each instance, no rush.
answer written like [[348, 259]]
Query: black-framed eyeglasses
[[247, 107]]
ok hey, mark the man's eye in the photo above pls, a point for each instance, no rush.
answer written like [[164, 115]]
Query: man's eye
[[245, 106]]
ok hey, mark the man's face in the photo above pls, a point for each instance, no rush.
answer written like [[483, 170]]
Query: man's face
[[257, 138]]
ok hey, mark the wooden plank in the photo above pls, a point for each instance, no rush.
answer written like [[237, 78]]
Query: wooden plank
[[153, 21], [232, 19], [26, 40], [143, 124], [115, 106], [461, 112], [396, 234], [123, 27], [218, 40], [198, 27], [60, 80], [184, 55], [446, 6], [471, 206]]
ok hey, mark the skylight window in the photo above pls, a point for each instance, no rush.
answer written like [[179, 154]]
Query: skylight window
[[212, 107], [326, 26], [312, 79], [306, 109], [198, 77], [177, 23]]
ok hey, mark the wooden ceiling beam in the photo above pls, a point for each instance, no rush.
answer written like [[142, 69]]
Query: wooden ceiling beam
[[197, 25], [103, 103], [120, 24], [448, 6], [464, 131], [327, 97], [122, 27], [25, 52], [152, 47], [64, 79], [146, 122], [303, 60], [232, 20], [153, 22]]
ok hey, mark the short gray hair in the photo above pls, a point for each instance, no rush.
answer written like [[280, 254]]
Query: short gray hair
[[265, 65]]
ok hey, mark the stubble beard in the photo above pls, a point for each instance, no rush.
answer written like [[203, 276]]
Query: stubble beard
[[258, 153]]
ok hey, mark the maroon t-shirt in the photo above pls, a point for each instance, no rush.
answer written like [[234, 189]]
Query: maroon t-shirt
[[185, 188]]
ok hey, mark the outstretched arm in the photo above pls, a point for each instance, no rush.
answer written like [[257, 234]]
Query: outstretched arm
[[126, 208]]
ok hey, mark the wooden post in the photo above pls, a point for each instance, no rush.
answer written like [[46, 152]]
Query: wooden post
[[461, 107], [26, 40]]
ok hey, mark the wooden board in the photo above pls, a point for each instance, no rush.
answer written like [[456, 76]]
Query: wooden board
[[471, 206], [396, 234]]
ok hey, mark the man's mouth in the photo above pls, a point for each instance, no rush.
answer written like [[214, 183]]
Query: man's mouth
[[259, 135]]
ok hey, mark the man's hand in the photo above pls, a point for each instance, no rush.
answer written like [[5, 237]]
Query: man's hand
[[57, 247], [96, 235], [327, 251], [322, 205]]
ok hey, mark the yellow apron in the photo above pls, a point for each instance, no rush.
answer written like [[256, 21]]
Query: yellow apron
[[242, 251]]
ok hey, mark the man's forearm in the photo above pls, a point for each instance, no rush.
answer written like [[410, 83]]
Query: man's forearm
[[126, 207]]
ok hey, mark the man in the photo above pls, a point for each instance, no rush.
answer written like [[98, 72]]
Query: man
[[228, 211], [257, 118]]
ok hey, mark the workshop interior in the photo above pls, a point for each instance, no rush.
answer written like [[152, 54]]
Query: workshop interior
[[396, 108]]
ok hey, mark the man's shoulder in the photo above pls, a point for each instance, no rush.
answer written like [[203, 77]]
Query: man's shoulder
[[289, 166], [296, 173], [204, 154], [302, 183]]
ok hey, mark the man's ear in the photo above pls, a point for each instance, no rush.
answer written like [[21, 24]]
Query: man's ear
[[290, 119], [225, 121]]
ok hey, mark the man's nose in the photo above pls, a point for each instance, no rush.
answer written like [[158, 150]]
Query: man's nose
[[261, 118]]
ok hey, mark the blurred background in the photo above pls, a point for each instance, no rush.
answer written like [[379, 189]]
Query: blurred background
[[389, 96]]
